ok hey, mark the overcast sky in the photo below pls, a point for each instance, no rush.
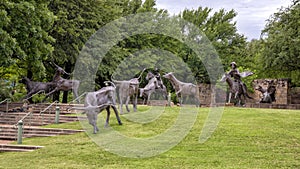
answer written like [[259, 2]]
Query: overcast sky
[[252, 14]]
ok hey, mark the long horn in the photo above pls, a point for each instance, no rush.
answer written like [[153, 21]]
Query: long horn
[[66, 72], [91, 107], [115, 81], [106, 82], [58, 67], [131, 83], [173, 67], [141, 73], [55, 65]]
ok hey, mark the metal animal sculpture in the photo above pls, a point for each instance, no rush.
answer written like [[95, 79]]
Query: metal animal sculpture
[[236, 88], [183, 89], [127, 89], [35, 87], [96, 102], [268, 95], [62, 84], [154, 85]]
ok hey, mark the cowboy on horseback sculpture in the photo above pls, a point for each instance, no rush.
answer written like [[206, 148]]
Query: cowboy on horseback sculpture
[[237, 87], [235, 74]]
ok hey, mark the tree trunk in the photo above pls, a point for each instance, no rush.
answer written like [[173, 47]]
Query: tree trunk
[[29, 76], [65, 97], [68, 68], [56, 96]]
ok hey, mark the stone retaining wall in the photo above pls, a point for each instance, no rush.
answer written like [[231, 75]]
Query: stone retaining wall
[[206, 97], [273, 106], [294, 95]]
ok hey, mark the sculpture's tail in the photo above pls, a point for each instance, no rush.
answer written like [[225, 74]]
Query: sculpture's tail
[[248, 96], [245, 91]]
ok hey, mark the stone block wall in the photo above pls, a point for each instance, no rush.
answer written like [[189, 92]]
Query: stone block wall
[[295, 95], [205, 94]]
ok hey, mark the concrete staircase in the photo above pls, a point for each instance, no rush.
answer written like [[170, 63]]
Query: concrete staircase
[[11, 107], [10, 132], [32, 123], [17, 148]]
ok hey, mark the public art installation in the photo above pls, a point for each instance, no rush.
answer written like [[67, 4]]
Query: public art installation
[[237, 87], [155, 84], [62, 84], [36, 87], [96, 102], [127, 89], [183, 89], [268, 95]]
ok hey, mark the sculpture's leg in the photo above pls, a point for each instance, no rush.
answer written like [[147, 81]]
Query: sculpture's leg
[[229, 97], [165, 93], [178, 92], [75, 93], [197, 100], [235, 95], [127, 102], [92, 117], [48, 94], [239, 100], [107, 117], [148, 99], [245, 100], [29, 94], [121, 104], [181, 100], [135, 102], [117, 115]]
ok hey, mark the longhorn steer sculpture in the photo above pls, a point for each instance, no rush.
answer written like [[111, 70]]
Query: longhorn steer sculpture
[[62, 84], [96, 102], [127, 89], [183, 89]]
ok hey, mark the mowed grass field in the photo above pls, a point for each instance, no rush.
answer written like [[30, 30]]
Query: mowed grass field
[[244, 138]]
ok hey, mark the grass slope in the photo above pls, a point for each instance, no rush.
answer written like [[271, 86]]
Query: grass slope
[[245, 138]]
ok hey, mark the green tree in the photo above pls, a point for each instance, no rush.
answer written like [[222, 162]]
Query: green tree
[[128, 46], [24, 38], [76, 22], [281, 38], [220, 29]]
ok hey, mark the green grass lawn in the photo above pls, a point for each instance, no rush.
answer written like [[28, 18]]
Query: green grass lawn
[[244, 138]]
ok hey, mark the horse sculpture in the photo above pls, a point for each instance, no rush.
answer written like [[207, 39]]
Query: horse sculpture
[[154, 85], [62, 84], [183, 89], [268, 95], [236, 88], [35, 87]]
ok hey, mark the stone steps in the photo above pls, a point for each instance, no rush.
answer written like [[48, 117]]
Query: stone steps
[[32, 123], [9, 132], [35, 119], [18, 148], [12, 107]]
